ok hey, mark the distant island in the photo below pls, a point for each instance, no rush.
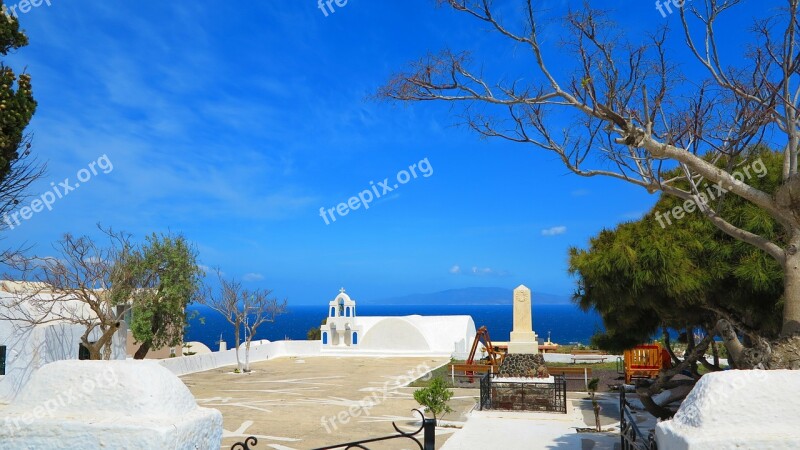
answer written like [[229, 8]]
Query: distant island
[[471, 296]]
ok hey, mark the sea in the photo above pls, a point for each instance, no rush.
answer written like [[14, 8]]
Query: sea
[[565, 324]]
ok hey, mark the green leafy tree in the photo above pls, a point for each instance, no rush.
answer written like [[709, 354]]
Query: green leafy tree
[[17, 106], [165, 279], [620, 108], [436, 397], [646, 276], [642, 276]]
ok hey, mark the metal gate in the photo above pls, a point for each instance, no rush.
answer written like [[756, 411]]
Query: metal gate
[[427, 428]]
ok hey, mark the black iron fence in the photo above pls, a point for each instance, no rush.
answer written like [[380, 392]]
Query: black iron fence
[[427, 428], [631, 437], [524, 396], [486, 392]]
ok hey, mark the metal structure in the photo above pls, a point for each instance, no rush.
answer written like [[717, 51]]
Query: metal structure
[[631, 437], [486, 392], [493, 358], [427, 428], [520, 396]]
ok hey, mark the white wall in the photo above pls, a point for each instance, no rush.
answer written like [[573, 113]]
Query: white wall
[[29, 348], [259, 351], [394, 334], [412, 336], [95, 405], [752, 409]]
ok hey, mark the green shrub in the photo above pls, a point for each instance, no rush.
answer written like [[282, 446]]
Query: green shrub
[[435, 397]]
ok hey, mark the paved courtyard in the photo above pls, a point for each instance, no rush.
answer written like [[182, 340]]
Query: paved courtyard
[[303, 403]]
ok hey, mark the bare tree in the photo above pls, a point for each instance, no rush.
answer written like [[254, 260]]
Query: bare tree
[[635, 118], [83, 285], [259, 308], [243, 309]]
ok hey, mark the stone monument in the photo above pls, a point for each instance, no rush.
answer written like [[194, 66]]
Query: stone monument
[[523, 339]]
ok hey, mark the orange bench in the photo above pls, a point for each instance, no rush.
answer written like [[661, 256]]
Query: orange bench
[[644, 361]]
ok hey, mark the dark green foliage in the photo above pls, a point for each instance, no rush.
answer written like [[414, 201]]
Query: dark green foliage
[[315, 334], [642, 276], [16, 98]]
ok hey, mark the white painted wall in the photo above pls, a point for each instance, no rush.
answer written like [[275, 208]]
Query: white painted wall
[[737, 409], [259, 351], [413, 335], [28, 350], [108, 404], [264, 350]]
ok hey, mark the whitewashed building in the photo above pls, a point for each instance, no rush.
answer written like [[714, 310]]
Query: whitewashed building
[[341, 329], [24, 348], [347, 332]]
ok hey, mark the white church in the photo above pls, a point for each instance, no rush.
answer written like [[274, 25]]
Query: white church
[[347, 333]]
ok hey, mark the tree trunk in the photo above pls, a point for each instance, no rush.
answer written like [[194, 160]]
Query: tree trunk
[[94, 351], [668, 346], [247, 354], [781, 354], [155, 325], [143, 350], [236, 337], [791, 306], [102, 348], [785, 353], [715, 353], [664, 380]]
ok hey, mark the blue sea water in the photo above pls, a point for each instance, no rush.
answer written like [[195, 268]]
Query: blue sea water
[[566, 323]]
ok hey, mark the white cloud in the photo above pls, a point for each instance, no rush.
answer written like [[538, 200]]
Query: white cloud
[[488, 272], [554, 231], [476, 271], [482, 271], [253, 277]]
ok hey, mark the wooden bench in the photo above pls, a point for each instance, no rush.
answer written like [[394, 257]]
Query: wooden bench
[[469, 368], [573, 373], [589, 358], [643, 361]]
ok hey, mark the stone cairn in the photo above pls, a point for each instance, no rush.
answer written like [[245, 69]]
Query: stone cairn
[[523, 366]]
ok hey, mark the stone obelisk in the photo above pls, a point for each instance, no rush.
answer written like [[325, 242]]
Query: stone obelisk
[[523, 339]]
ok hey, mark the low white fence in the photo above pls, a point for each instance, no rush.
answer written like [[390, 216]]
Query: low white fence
[[259, 351]]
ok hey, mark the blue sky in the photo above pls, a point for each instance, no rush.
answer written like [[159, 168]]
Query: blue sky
[[235, 122]]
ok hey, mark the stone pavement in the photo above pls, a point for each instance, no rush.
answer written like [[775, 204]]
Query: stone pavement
[[534, 431], [303, 403]]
